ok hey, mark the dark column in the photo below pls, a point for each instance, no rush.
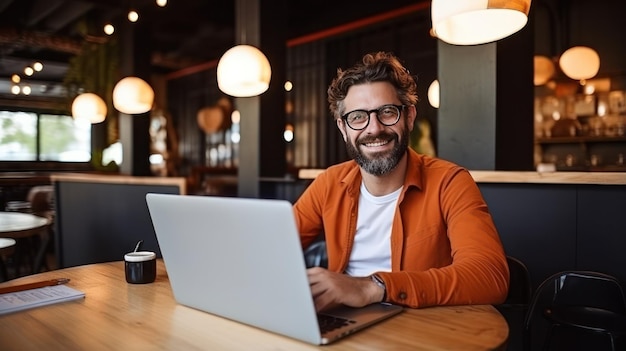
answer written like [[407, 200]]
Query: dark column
[[467, 110], [485, 119], [247, 29], [273, 116], [135, 129], [262, 149]]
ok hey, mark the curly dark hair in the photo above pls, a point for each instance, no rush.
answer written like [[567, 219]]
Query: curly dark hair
[[375, 67]]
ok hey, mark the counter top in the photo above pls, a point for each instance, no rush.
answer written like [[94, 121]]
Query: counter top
[[121, 179], [593, 178]]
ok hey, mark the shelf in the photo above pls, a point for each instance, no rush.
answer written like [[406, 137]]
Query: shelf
[[607, 169], [580, 139]]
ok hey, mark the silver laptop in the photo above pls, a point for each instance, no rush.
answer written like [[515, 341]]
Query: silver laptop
[[242, 259]]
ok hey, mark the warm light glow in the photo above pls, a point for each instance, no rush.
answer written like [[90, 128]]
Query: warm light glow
[[37, 66], [133, 95], [243, 71], [113, 153], [26, 90], [472, 22], [433, 94], [544, 70], [15, 78], [29, 71], [133, 16], [211, 119], [90, 107], [589, 89], [288, 86], [580, 62], [15, 89], [235, 117], [288, 133], [235, 137], [288, 107], [156, 159], [109, 29], [161, 3]]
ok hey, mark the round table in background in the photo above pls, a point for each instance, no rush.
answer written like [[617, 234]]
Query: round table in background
[[18, 225], [5, 243]]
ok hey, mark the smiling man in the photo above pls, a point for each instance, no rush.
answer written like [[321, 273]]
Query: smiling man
[[399, 227]]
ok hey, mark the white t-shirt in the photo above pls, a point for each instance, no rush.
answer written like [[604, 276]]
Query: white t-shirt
[[371, 251]]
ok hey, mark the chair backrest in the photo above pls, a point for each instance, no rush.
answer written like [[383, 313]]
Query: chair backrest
[[520, 285], [590, 289], [573, 288], [315, 255], [41, 198]]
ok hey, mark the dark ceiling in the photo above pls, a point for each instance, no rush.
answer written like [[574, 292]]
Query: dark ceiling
[[183, 33]]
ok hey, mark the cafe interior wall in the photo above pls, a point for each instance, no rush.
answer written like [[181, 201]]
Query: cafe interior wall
[[560, 25], [311, 65], [316, 144]]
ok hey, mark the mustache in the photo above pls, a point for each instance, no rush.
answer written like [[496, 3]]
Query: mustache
[[373, 138]]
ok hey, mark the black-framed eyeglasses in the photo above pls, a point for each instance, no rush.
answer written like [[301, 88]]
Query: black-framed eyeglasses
[[387, 115]]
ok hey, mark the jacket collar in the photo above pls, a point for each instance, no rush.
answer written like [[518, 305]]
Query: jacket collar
[[413, 178]]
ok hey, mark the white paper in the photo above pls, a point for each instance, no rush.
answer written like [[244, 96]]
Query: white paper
[[22, 300]]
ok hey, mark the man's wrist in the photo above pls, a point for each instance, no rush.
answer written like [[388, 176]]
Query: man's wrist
[[381, 283]]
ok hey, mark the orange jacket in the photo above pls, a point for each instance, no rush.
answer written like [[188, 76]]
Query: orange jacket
[[445, 249]]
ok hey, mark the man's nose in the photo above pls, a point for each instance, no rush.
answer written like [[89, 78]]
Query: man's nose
[[374, 125]]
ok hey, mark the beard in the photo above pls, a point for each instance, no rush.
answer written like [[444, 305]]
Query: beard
[[380, 163]]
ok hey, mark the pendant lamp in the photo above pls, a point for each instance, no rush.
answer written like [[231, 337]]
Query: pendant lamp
[[580, 63], [133, 95], [472, 22], [433, 93], [89, 106], [243, 71], [544, 69]]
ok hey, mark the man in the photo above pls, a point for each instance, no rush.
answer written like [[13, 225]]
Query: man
[[400, 227]]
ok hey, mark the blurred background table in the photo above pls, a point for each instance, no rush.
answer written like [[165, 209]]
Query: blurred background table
[[31, 235]]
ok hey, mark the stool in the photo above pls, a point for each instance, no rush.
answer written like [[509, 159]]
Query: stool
[[6, 244]]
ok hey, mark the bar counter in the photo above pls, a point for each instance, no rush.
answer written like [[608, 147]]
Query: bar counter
[[597, 178], [556, 221], [179, 182]]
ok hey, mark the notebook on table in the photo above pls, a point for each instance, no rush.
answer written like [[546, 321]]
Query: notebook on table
[[241, 259]]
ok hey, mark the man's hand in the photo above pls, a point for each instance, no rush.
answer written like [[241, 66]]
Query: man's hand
[[330, 289]]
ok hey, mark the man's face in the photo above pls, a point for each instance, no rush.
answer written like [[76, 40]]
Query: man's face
[[377, 149]]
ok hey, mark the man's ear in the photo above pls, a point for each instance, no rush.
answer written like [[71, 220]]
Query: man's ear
[[411, 117], [342, 128]]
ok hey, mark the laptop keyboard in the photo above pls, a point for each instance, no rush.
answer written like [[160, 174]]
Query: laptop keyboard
[[328, 323]]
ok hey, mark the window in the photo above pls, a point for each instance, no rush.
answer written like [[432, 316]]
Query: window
[[29, 136]]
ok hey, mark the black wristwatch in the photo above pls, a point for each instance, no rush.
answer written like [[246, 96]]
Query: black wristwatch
[[376, 279]]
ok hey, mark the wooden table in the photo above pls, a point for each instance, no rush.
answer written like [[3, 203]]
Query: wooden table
[[116, 315], [23, 226]]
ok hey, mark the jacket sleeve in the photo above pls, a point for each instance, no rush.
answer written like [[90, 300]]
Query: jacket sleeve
[[308, 211], [470, 268]]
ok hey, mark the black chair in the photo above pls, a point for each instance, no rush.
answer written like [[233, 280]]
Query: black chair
[[315, 255], [578, 310], [514, 308], [520, 286]]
